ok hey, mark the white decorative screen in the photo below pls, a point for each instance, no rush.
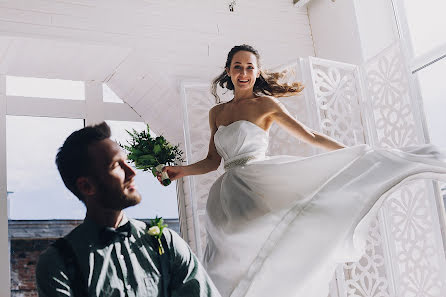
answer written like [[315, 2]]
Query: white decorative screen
[[336, 99], [404, 254], [411, 217], [335, 94]]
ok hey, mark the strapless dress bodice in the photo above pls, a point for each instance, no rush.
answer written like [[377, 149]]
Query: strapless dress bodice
[[241, 140]]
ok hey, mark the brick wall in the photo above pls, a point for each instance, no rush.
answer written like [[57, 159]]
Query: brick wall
[[24, 256], [29, 238]]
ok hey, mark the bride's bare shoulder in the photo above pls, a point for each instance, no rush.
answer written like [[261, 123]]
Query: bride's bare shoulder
[[268, 99], [269, 102], [217, 108]]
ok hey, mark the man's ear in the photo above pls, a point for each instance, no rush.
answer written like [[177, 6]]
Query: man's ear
[[85, 186]]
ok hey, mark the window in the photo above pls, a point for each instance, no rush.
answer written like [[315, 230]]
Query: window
[[157, 200], [426, 24], [433, 92], [37, 191], [45, 88], [423, 28]]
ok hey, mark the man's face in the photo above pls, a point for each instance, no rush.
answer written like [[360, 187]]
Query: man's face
[[112, 176]]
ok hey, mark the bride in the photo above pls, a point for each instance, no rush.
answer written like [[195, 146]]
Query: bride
[[278, 226]]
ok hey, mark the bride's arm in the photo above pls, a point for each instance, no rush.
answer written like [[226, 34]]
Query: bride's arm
[[210, 163], [282, 117]]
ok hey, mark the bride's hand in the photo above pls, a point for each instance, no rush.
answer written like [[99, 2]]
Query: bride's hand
[[174, 172]]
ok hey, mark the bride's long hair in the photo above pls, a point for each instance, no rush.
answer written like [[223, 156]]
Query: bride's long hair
[[266, 84]]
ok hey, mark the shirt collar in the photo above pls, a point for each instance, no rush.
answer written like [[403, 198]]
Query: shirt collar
[[94, 226]]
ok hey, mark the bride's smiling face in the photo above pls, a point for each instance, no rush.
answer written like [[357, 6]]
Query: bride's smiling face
[[244, 70]]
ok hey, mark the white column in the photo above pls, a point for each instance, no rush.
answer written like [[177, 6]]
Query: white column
[[351, 31], [94, 102], [5, 277], [335, 31]]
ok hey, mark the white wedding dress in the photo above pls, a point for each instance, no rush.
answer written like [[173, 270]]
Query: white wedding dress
[[278, 226]]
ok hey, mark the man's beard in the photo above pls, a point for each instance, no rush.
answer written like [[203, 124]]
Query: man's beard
[[116, 199]]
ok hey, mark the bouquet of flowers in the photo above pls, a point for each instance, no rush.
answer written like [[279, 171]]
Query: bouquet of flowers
[[152, 153]]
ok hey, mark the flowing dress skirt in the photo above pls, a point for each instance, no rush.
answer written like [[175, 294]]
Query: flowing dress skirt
[[280, 226]]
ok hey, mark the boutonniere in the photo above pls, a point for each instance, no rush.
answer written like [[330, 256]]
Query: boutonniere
[[156, 227]]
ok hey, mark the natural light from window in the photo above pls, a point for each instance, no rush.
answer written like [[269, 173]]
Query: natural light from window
[[35, 188], [427, 24], [433, 91], [38, 192], [157, 200], [45, 88]]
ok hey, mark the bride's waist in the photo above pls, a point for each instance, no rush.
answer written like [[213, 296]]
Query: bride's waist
[[243, 159]]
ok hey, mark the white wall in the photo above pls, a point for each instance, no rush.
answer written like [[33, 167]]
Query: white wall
[[335, 30], [351, 31], [162, 43], [377, 26]]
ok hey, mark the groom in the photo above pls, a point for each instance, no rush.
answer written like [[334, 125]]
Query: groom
[[109, 254]]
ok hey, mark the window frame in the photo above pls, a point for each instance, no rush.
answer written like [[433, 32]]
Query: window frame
[[415, 62]]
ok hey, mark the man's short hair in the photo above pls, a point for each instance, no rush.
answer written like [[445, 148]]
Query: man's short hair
[[73, 160]]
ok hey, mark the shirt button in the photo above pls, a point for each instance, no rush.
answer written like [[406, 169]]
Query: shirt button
[[121, 257], [128, 287]]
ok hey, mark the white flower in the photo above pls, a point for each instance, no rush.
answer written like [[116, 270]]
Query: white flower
[[155, 230]]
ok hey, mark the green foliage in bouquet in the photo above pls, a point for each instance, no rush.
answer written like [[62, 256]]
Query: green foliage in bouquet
[[148, 152]]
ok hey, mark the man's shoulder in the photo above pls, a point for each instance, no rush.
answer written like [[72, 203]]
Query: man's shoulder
[[53, 251], [49, 253], [80, 237], [50, 260]]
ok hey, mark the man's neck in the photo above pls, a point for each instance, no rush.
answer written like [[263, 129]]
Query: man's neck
[[105, 217]]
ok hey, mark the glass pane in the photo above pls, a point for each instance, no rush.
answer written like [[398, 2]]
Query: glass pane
[[109, 95], [433, 91], [427, 24], [156, 199], [36, 189], [45, 88]]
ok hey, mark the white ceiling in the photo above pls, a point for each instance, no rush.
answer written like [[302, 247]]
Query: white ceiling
[[144, 49]]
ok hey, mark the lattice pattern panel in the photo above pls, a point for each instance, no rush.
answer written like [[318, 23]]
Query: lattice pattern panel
[[337, 98], [387, 85], [412, 219], [368, 276], [415, 243], [338, 104]]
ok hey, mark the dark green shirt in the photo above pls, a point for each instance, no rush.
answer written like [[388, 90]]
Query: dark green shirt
[[125, 267]]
